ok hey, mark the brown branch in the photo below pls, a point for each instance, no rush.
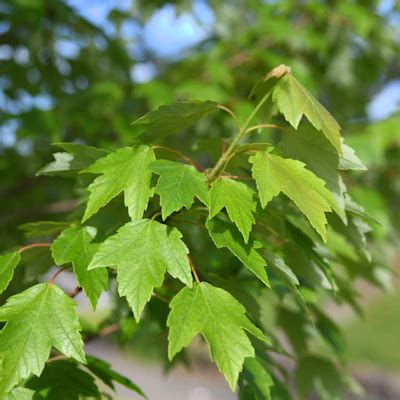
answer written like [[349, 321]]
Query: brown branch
[[106, 331], [196, 276], [186, 158], [33, 245], [54, 277], [75, 292]]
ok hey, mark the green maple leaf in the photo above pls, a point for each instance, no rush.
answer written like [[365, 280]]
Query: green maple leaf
[[274, 174], [172, 118], [8, 263], [294, 101], [220, 319], [226, 235], [64, 380], [75, 158], [143, 251], [177, 185], [237, 199], [108, 376], [37, 319], [123, 170], [74, 246], [255, 381]]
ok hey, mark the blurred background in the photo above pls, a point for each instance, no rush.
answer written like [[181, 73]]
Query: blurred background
[[83, 70]]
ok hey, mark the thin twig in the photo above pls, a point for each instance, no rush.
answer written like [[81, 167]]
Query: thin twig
[[196, 276], [159, 297], [154, 216], [54, 277], [106, 331], [183, 156], [264, 126], [75, 292], [231, 113], [236, 177], [221, 163], [33, 245]]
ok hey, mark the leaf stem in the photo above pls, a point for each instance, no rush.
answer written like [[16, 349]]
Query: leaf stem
[[154, 216], [231, 113], [261, 126], [33, 245], [228, 153], [181, 155], [54, 277], [75, 292], [196, 276]]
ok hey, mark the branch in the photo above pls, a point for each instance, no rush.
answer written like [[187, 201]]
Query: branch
[[33, 245], [196, 276], [221, 163], [186, 158], [54, 277]]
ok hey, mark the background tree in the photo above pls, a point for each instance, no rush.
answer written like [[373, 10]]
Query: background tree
[[66, 79]]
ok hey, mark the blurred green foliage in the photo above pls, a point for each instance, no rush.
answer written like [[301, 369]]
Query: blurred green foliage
[[343, 51]]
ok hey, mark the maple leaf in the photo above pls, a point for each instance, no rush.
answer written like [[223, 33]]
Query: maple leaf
[[37, 319], [75, 158], [220, 319], [64, 380], [171, 118], [294, 101], [108, 376], [74, 246], [8, 263], [123, 170], [255, 380], [237, 199], [224, 234], [143, 251], [177, 185], [274, 174]]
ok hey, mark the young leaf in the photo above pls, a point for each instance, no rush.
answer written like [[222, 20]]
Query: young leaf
[[294, 101], [124, 170], [224, 234], [73, 246], [64, 380], [177, 185], [75, 158], [274, 174], [220, 319], [237, 198], [255, 377], [108, 376], [37, 319], [172, 118], [8, 263], [143, 251]]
